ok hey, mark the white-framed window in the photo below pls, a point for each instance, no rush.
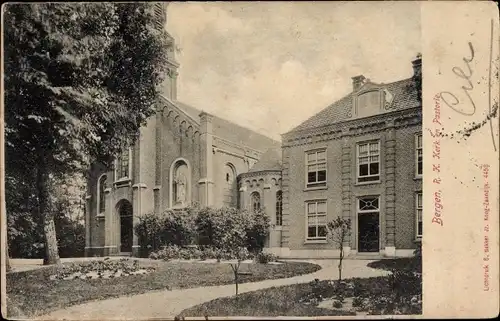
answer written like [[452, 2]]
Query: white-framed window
[[255, 199], [101, 200], [316, 168], [123, 165], [368, 159], [279, 208], [419, 211], [316, 220], [419, 157]]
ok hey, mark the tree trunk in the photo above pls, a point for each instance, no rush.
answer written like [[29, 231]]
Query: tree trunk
[[236, 280], [6, 253], [340, 262], [51, 250], [47, 218]]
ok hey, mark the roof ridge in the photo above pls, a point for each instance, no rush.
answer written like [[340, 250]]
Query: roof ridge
[[337, 102], [179, 108], [244, 127]]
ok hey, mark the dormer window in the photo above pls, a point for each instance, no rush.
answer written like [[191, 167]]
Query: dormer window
[[368, 103]]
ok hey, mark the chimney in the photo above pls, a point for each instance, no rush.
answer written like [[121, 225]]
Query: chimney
[[357, 82], [417, 66]]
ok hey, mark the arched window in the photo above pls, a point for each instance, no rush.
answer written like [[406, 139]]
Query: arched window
[[279, 208], [101, 200], [123, 165], [230, 190], [180, 184], [255, 197]]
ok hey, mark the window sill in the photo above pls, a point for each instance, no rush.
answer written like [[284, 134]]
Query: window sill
[[417, 178], [123, 182], [315, 188], [367, 183], [418, 239], [315, 242], [278, 227], [100, 216]]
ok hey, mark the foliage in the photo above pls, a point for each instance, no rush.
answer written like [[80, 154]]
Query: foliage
[[339, 231], [214, 226], [80, 79], [174, 252], [257, 230], [99, 267], [168, 228], [25, 232], [70, 237], [265, 258], [399, 293], [171, 252]]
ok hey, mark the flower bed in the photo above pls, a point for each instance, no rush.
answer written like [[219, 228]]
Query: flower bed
[[174, 252], [100, 269], [399, 294]]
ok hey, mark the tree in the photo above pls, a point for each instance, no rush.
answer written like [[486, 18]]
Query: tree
[[80, 80], [231, 238], [339, 231]]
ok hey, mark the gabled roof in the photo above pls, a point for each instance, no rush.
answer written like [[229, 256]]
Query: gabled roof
[[230, 131], [270, 160], [405, 96]]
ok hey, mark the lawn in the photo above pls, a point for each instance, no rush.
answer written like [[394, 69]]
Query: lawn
[[270, 302], [33, 293], [375, 296], [398, 293]]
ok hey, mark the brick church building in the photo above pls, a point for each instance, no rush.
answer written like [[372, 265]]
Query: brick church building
[[360, 157]]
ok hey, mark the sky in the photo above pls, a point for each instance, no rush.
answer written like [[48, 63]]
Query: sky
[[269, 66]]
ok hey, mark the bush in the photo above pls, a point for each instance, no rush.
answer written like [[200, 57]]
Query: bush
[[167, 228], [337, 304], [214, 226], [208, 253], [357, 302], [257, 231], [70, 237], [265, 258], [148, 232], [207, 227], [406, 282]]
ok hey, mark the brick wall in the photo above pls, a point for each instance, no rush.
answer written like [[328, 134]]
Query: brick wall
[[396, 188]]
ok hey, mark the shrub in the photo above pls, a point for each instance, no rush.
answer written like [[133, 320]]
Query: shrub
[[265, 258], [257, 231], [148, 232], [167, 228], [215, 226], [337, 304], [406, 282], [207, 227], [178, 227], [70, 237], [208, 253], [357, 302]]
